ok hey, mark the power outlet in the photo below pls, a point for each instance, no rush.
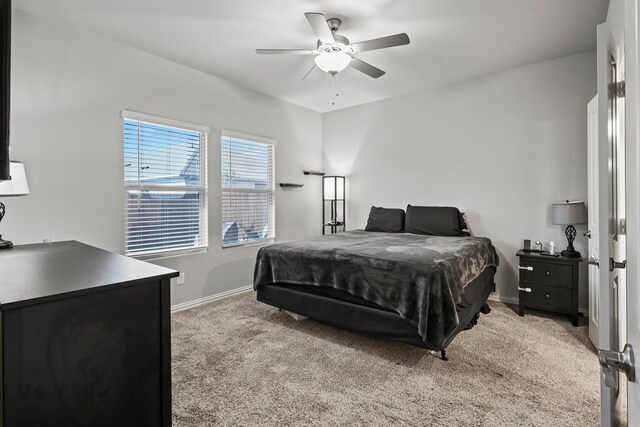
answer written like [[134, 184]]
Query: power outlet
[[180, 279]]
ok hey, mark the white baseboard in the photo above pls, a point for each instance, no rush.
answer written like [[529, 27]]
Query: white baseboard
[[514, 300], [507, 300], [211, 298]]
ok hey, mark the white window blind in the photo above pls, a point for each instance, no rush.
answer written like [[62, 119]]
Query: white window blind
[[248, 189], [165, 186]]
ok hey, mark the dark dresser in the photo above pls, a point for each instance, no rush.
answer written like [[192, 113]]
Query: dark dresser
[[548, 283], [85, 338]]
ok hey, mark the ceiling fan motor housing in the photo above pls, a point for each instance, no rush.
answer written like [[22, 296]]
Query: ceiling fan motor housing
[[341, 45], [334, 24]]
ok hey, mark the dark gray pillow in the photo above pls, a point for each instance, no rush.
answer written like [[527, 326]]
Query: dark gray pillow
[[385, 220], [435, 221]]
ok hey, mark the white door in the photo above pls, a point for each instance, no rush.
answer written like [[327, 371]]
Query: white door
[[617, 217], [616, 301], [593, 225]]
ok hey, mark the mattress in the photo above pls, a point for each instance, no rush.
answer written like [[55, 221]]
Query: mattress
[[420, 278]]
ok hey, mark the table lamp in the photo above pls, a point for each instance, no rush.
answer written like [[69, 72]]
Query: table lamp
[[569, 213], [16, 186]]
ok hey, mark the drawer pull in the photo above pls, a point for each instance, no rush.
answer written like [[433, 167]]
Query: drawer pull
[[524, 289], [546, 273], [547, 296], [529, 268]]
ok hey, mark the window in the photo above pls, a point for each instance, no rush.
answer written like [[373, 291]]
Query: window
[[248, 195], [165, 178]]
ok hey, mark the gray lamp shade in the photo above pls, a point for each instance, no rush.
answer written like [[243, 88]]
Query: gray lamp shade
[[17, 185], [569, 213]]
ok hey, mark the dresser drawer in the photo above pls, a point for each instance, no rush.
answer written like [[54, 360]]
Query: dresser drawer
[[548, 273], [548, 297]]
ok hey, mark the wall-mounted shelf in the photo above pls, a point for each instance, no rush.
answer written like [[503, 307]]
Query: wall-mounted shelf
[[289, 185], [313, 173]]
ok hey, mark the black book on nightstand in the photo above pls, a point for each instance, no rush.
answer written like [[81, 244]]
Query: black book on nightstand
[[548, 283]]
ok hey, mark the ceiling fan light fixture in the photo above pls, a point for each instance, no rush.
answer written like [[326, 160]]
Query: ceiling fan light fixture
[[332, 62]]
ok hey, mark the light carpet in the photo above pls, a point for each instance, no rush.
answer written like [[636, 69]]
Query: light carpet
[[240, 362]]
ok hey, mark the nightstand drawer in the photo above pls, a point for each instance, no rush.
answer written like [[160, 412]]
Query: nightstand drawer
[[548, 273], [548, 297]]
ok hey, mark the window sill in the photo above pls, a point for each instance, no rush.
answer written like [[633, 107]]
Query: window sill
[[248, 243], [169, 254]]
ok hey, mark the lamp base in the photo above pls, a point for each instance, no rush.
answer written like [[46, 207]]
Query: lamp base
[[5, 244], [570, 253]]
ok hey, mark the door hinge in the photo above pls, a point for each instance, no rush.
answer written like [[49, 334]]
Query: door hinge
[[615, 264], [612, 361], [622, 226], [617, 89]]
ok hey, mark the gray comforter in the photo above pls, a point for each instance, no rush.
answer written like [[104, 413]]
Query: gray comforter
[[420, 277]]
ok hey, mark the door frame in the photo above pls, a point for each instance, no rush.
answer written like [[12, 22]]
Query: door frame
[[593, 196], [632, 170]]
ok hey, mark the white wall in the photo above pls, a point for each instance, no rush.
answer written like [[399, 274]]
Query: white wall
[[68, 89], [501, 147]]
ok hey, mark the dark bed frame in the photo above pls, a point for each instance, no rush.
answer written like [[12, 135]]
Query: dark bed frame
[[345, 311]]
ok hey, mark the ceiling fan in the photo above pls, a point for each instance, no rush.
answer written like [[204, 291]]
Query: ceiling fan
[[334, 52]]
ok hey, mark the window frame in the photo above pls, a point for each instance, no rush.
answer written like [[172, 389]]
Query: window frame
[[202, 189], [258, 140]]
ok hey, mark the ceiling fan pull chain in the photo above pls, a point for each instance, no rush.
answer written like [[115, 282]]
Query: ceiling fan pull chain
[[333, 89], [335, 92]]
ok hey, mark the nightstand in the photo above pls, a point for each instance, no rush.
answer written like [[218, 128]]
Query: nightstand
[[548, 283]]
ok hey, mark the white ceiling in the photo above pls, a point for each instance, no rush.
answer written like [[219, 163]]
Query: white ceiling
[[450, 39]]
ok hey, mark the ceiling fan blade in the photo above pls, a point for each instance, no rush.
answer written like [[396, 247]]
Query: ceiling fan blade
[[320, 26], [366, 68], [289, 51], [309, 72], [381, 43]]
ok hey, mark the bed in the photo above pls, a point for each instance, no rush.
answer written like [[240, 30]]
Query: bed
[[413, 288]]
